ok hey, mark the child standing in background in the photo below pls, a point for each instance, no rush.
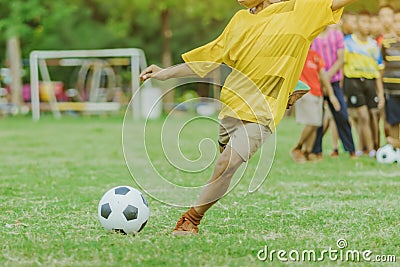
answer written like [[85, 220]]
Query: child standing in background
[[309, 109]]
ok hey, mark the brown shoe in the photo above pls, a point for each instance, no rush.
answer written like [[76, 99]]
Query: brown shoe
[[314, 157], [354, 155], [297, 155], [334, 154], [185, 227]]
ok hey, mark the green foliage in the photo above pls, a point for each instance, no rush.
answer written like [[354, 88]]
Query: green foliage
[[20, 16], [90, 24], [79, 24]]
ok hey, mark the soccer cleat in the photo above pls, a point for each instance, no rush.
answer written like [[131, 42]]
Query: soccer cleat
[[359, 153], [353, 155], [315, 157], [334, 154], [185, 227], [298, 156]]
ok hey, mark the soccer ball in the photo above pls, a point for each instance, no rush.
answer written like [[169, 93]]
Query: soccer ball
[[123, 209], [388, 154]]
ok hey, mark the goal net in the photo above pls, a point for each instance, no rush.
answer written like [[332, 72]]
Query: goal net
[[93, 96]]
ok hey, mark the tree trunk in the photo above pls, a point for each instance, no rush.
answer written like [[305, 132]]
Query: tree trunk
[[167, 35], [14, 57], [166, 54]]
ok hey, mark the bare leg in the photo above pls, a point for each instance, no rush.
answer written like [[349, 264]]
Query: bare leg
[[334, 135], [394, 135], [308, 130], [374, 120], [355, 122], [365, 128], [361, 144], [309, 142], [226, 165], [327, 119], [296, 153]]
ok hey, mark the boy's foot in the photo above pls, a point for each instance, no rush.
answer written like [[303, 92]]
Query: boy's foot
[[314, 157], [297, 155], [334, 154], [359, 153], [185, 227], [353, 155]]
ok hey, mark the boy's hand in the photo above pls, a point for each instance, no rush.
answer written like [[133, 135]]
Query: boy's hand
[[152, 71], [335, 102], [296, 95]]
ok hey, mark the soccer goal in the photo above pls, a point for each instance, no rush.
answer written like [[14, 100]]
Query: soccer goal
[[96, 99]]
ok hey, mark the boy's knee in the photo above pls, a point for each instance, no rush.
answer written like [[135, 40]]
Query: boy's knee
[[374, 112], [364, 119], [228, 162], [363, 116]]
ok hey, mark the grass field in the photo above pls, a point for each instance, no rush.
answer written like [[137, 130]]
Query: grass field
[[53, 173]]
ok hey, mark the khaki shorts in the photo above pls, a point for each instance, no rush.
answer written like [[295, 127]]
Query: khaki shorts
[[244, 137], [309, 110]]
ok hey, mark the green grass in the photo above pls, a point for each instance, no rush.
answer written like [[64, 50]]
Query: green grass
[[53, 173]]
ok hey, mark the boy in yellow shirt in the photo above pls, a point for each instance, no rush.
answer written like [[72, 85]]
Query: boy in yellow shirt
[[266, 46]]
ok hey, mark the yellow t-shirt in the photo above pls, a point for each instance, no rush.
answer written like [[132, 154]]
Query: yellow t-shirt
[[267, 52], [362, 59]]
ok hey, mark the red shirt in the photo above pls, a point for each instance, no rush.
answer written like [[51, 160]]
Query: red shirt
[[310, 74]]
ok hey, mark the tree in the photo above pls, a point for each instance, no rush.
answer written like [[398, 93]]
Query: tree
[[21, 15], [165, 17]]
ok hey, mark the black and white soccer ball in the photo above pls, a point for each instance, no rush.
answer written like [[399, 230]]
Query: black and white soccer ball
[[123, 209], [388, 154]]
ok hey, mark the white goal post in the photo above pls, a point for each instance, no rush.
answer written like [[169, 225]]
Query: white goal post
[[37, 58]]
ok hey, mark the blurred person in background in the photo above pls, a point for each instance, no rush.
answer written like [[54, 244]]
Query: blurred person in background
[[386, 16], [397, 21], [348, 23], [348, 27], [330, 45], [309, 109], [363, 83], [376, 32], [376, 29], [391, 77]]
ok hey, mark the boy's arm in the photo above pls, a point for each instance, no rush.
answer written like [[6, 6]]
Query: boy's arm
[[328, 90], [338, 4], [158, 73]]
